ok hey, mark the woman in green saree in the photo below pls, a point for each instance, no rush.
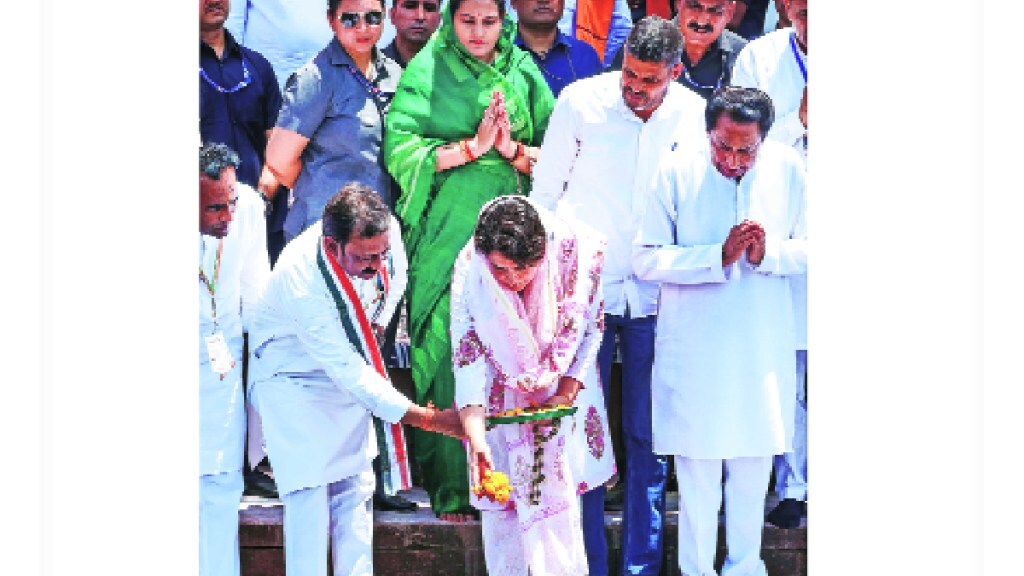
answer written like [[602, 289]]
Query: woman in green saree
[[463, 128]]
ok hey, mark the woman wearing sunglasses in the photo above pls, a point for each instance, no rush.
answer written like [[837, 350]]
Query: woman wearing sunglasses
[[463, 129], [331, 124]]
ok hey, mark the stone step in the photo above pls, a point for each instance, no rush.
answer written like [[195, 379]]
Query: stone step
[[418, 544]]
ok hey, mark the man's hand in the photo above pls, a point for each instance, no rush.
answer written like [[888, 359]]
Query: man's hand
[[755, 250], [447, 422], [735, 243]]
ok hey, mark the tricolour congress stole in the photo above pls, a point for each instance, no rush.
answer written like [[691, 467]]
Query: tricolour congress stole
[[390, 439]]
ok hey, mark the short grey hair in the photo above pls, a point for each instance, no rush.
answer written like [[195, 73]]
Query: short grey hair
[[214, 158]]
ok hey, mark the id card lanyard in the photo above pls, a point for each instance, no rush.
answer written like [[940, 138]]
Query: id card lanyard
[[211, 287]]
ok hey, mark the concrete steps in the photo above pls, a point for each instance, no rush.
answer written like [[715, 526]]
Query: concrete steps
[[418, 544]]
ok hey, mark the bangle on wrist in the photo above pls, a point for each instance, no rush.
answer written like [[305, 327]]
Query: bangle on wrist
[[464, 144], [519, 152]]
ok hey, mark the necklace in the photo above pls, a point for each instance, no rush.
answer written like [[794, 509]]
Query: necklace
[[246, 78]]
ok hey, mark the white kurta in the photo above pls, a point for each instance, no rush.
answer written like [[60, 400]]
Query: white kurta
[[768, 64], [596, 165], [723, 380], [244, 268], [313, 390]]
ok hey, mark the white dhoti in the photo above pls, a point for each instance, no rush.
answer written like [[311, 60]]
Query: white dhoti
[[219, 495], [700, 497], [791, 467], [334, 519]]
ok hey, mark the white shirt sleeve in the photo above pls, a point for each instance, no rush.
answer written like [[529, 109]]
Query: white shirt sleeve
[[657, 257], [788, 256], [256, 263], [557, 154], [315, 323]]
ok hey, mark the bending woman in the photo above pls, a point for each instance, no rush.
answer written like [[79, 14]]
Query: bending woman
[[464, 127]]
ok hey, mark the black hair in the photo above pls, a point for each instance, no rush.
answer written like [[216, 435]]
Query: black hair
[[214, 158], [355, 210], [654, 39], [499, 3], [743, 105], [511, 227]]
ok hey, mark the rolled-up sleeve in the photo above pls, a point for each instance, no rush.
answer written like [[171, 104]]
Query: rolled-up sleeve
[[306, 101]]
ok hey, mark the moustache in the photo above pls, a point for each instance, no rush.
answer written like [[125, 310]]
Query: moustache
[[700, 28], [369, 271]]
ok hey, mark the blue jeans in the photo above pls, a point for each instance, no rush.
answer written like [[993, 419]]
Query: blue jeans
[[643, 509]]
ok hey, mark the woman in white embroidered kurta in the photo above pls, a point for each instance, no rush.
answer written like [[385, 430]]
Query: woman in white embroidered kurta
[[518, 340]]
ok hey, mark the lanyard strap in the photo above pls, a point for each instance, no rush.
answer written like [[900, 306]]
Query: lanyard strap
[[242, 84], [796, 55], [382, 98], [211, 287]]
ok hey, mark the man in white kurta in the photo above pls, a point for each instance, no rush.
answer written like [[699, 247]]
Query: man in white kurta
[[317, 379], [233, 267], [526, 329], [722, 234], [777, 65], [606, 137]]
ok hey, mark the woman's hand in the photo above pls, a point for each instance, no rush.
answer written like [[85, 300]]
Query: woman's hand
[[480, 461], [486, 131]]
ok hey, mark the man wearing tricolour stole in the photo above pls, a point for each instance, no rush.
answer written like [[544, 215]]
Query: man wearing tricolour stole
[[318, 377]]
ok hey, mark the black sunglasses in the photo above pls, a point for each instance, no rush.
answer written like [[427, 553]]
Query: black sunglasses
[[351, 19]]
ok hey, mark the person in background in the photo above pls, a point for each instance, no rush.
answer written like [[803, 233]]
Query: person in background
[[233, 269], [562, 59], [606, 138], [414, 21], [777, 64], [239, 100], [711, 50], [331, 126], [604, 24], [464, 128], [723, 232]]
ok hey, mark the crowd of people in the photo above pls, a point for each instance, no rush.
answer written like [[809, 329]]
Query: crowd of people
[[540, 189]]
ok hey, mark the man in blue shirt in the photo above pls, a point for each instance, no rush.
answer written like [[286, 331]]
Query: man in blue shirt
[[561, 59], [239, 100]]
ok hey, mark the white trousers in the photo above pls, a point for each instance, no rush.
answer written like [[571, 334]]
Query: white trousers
[[700, 498], [336, 519], [791, 467], [219, 496]]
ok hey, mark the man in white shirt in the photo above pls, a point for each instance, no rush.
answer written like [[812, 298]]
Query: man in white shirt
[[606, 136], [318, 377], [233, 267], [723, 232], [777, 65]]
